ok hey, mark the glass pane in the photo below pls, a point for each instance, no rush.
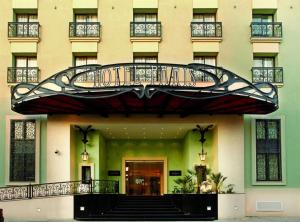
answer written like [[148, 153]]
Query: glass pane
[[139, 17], [91, 60], [210, 61], [198, 17], [32, 18], [80, 18], [30, 130], [272, 130], [261, 167], [199, 59], [91, 18], [21, 61], [257, 62], [19, 130], [80, 60], [22, 18], [268, 62], [273, 167], [151, 17], [260, 130], [139, 59], [32, 62], [209, 18]]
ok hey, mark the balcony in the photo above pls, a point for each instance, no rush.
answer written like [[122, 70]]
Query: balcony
[[84, 29], [267, 74], [145, 29], [22, 75], [266, 30], [23, 30], [206, 29]]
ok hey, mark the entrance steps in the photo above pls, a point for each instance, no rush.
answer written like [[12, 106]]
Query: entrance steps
[[141, 208], [169, 207]]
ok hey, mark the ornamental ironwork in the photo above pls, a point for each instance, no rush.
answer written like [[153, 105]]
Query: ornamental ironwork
[[45, 190], [266, 29], [23, 29], [84, 29], [267, 74], [206, 29], [180, 81], [145, 29], [23, 74]]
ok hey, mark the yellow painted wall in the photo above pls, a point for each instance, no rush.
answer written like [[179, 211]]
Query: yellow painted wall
[[25, 4], [141, 4]]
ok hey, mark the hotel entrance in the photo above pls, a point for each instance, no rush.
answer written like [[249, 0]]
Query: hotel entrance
[[144, 178]]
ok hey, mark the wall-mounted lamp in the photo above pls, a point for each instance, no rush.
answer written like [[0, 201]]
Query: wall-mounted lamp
[[202, 131], [84, 132]]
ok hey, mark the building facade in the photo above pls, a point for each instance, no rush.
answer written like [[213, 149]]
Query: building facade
[[253, 145]]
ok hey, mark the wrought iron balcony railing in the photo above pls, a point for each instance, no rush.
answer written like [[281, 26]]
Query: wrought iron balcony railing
[[267, 74], [84, 29], [266, 29], [23, 29], [206, 29], [145, 29], [58, 189], [23, 75]]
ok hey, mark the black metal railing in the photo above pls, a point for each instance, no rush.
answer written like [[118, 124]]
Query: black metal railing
[[84, 29], [23, 74], [23, 29], [206, 29], [45, 190], [266, 29], [145, 29], [267, 74]]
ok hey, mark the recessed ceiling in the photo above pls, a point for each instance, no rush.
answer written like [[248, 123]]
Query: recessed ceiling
[[145, 131]]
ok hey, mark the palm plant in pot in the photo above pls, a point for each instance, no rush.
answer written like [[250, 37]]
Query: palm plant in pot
[[218, 180]]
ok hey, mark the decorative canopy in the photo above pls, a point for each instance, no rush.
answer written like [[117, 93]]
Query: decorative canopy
[[156, 88]]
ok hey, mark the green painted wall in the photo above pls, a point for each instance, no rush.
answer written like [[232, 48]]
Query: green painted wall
[[108, 154], [192, 146], [93, 150], [172, 149], [289, 105]]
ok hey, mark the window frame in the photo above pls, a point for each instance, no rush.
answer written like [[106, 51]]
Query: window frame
[[283, 155], [9, 118]]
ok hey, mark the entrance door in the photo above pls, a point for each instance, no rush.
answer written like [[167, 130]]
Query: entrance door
[[144, 177]]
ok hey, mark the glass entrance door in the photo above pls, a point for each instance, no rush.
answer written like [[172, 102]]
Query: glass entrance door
[[144, 178]]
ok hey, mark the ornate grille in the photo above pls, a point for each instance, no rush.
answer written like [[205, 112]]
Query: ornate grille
[[84, 29], [206, 29], [22, 151], [268, 150], [23, 29], [145, 29], [266, 29], [59, 189], [267, 74], [23, 74]]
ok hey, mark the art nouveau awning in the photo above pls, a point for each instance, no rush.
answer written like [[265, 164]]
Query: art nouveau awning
[[132, 88]]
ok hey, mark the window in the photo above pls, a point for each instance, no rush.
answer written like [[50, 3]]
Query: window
[[268, 150], [25, 70], [264, 70], [85, 25], [205, 25], [145, 25], [22, 151], [85, 60], [27, 25], [144, 73], [207, 60], [265, 26]]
